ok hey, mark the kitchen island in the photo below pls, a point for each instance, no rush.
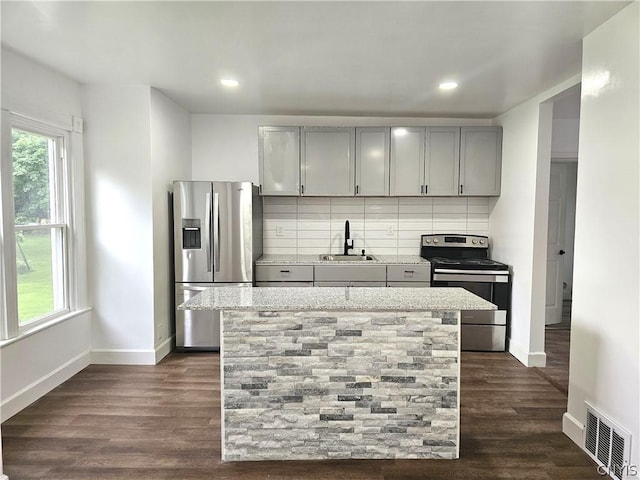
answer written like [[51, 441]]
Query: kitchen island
[[335, 372]]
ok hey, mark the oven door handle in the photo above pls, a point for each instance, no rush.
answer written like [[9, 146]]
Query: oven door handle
[[466, 277]]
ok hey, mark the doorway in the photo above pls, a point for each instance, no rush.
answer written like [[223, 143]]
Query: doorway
[[560, 237], [562, 207]]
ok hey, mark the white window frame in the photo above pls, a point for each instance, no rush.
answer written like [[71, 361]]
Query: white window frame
[[60, 181]]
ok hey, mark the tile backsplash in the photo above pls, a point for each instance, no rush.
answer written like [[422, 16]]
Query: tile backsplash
[[379, 225]]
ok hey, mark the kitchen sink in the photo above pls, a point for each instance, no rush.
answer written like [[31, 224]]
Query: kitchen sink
[[347, 258]]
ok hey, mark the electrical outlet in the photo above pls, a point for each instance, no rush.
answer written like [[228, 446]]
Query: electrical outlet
[[279, 231], [389, 229]]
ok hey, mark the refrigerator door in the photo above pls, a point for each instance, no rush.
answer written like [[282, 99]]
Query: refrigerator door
[[196, 329], [232, 232], [192, 214]]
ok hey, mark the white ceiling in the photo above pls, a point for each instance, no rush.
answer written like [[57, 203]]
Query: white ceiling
[[315, 58]]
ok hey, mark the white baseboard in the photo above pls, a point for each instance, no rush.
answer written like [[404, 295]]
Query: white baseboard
[[32, 392], [573, 429], [164, 348], [132, 357], [527, 358], [123, 357]]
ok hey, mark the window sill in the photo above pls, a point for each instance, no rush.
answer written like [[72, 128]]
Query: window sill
[[43, 326]]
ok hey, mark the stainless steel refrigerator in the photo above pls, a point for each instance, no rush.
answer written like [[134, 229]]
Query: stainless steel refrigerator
[[217, 237]]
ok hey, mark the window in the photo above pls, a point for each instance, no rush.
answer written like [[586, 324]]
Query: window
[[39, 178]]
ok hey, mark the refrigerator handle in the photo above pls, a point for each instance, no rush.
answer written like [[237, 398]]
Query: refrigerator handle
[[216, 232], [207, 228]]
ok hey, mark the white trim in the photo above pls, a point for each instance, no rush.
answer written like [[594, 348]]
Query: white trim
[[42, 226], [164, 349], [43, 326], [527, 358], [123, 357], [32, 392], [573, 429], [30, 121]]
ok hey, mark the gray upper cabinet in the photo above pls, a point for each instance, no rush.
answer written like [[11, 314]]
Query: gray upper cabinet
[[480, 161], [425, 161], [372, 161], [407, 161], [279, 160], [380, 161], [442, 154], [328, 161]]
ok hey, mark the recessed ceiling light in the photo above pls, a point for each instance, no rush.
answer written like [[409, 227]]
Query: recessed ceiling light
[[448, 85], [229, 82]]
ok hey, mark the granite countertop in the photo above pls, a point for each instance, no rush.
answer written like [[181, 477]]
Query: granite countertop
[[335, 299], [272, 259]]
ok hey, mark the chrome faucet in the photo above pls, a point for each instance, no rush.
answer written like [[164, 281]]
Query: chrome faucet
[[348, 242]]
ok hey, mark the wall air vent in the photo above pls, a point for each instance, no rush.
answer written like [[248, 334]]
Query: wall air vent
[[607, 443]]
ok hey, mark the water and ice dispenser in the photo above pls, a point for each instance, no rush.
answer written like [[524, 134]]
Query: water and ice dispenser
[[191, 234]]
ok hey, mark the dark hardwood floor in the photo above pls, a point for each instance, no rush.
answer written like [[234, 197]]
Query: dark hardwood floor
[[163, 422]]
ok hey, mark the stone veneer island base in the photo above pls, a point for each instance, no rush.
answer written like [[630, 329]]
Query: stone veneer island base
[[339, 373]]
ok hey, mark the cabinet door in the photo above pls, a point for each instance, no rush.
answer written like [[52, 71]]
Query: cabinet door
[[442, 161], [480, 160], [372, 161], [279, 158], [328, 161], [407, 161]]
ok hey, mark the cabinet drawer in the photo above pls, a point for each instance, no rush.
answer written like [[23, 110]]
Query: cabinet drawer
[[408, 284], [349, 284], [284, 273], [284, 284], [408, 273], [350, 273]]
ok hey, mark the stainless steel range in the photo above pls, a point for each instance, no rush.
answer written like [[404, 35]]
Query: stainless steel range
[[462, 261]]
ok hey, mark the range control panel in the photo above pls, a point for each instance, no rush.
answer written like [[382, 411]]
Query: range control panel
[[455, 240]]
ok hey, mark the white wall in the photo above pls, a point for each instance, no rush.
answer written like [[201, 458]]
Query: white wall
[[604, 366], [225, 147], [137, 142], [119, 212], [518, 218], [30, 366], [170, 160]]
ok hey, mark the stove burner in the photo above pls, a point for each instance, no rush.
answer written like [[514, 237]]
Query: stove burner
[[481, 261], [444, 261]]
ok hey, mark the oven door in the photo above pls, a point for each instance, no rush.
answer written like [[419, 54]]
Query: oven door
[[481, 330]]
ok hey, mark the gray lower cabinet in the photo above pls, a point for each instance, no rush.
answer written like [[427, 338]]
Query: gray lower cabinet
[[327, 161], [408, 276], [284, 275], [284, 284], [343, 275], [350, 275], [349, 284]]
